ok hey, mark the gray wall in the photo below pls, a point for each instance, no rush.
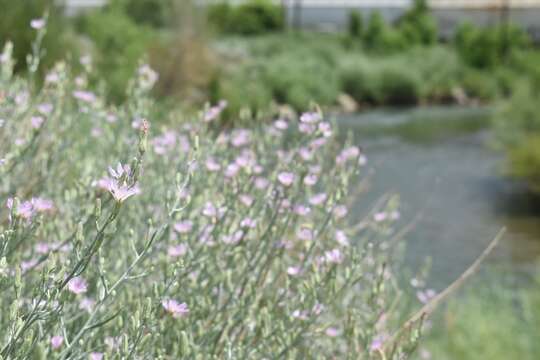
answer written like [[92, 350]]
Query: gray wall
[[331, 18]]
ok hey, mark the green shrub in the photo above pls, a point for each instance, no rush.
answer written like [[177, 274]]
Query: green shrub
[[381, 37], [252, 17], [480, 85], [478, 47], [155, 13], [399, 87], [527, 64], [292, 80], [356, 24], [441, 70], [487, 47], [242, 88], [517, 129], [361, 82], [418, 26], [219, 15], [119, 45], [491, 321], [379, 81], [15, 18]]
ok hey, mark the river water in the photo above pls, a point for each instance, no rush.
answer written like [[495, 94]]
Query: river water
[[442, 164]]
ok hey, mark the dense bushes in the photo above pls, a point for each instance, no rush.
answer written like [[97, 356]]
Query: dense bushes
[[381, 37], [416, 27], [118, 44], [355, 25], [15, 18], [196, 241], [252, 17], [488, 47], [155, 13], [298, 69], [517, 126], [380, 84]]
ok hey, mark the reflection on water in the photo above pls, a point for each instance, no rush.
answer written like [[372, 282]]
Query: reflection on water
[[439, 161]]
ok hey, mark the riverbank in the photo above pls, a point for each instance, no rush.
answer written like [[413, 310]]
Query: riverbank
[[306, 68]]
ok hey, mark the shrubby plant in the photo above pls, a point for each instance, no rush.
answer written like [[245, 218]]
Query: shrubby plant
[[517, 129], [494, 317], [123, 236], [14, 20], [488, 47], [117, 43], [355, 25], [252, 17], [418, 26]]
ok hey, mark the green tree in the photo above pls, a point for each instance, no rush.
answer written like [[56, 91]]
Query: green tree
[[356, 24]]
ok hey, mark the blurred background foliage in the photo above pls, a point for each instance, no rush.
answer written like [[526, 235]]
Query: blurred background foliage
[[248, 56], [491, 319]]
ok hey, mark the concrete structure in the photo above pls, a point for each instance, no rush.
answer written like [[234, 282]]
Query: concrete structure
[[331, 15], [75, 6]]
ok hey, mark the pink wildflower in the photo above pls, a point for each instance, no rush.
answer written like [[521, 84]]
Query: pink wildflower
[[175, 308], [310, 179], [209, 210], [245, 199], [310, 117], [212, 165], [232, 170], [77, 285], [96, 356], [248, 223], [234, 238], [306, 128], [341, 238], [45, 109], [333, 256], [340, 211], [347, 154], [301, 210], [42, 205], [57, 341], [261, 183], [122, 192], [177, 250], [426, 296], [183, 227], [85, 96], [86, 304], [121, 170], [281, 124], [286, 178], [240, 138], [294, 270], [325, 129], [380, 216], [331, 332], [37, 121], [42, 248], [37, 24], [318, 199], [377, 343], [305, 234]]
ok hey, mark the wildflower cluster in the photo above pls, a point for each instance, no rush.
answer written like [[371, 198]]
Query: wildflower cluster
[[200, 242]]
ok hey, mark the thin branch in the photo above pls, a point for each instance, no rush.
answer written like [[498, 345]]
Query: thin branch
[[428, 308]]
